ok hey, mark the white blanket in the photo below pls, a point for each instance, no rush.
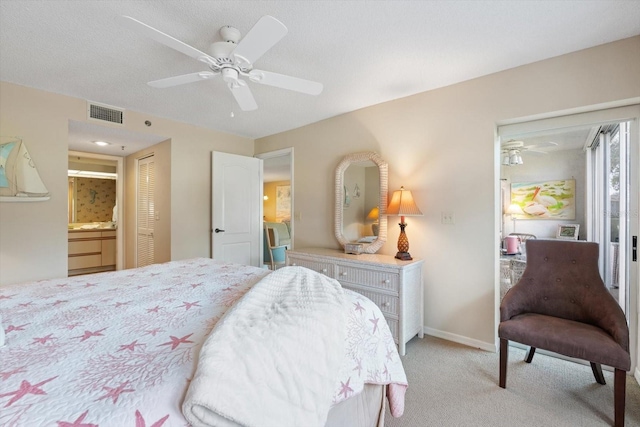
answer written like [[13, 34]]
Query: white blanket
[[274, 357]]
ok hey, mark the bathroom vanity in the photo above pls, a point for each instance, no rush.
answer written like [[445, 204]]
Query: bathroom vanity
[[91, 250]]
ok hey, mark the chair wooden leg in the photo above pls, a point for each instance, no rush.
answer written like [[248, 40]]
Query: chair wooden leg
[[504, 356], [529, 358], [596, 368], [619, 385]]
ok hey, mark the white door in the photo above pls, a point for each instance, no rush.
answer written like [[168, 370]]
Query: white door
[[145, 213], [236, 210]]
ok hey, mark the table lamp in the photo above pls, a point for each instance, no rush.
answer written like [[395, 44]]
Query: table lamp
[[513, 210], [402, 204], [373, 215]]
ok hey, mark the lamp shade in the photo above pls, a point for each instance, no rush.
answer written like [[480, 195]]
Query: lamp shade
[[514, 209], [374, 213], [402, 204]]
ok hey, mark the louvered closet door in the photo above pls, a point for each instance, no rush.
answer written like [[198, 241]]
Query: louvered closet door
[[145, 212]]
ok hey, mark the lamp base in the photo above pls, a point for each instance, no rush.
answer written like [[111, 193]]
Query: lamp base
[[404, 256]]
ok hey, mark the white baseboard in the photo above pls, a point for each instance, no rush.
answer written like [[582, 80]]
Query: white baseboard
[[636, 375], [492, 347]]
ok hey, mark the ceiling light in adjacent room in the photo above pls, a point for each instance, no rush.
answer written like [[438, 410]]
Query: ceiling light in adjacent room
[[101, 143], [511, 158], [91, 174]]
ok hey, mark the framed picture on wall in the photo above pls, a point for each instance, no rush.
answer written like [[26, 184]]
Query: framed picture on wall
[[283, 203], [545, 199], [568, 231]]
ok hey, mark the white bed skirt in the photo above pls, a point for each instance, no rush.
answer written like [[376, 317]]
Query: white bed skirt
[[365, 409]]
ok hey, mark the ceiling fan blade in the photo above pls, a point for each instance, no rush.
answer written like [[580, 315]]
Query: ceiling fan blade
[[183, 79], [263, 36], [285, 82], [243, 96], [540, 145], [163, 38], [531, 150]]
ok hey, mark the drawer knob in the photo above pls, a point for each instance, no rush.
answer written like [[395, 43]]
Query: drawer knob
[[324, 270], [344, 273], [386, 304], [386, 281]]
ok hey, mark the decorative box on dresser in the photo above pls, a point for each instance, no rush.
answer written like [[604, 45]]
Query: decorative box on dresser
[[395, 286]]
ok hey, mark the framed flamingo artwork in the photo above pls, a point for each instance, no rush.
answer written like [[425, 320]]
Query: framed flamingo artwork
[[545, 199]]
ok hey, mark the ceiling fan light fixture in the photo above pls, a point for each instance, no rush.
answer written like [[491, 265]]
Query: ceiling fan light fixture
[[230, 76], [511, 157]]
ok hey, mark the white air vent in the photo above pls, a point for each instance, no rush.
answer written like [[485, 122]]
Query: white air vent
[[105, 113]]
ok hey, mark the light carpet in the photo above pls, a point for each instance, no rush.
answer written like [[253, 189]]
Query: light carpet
[[454, 385]]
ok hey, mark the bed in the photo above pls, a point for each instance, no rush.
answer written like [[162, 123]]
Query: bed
[[122, 348]]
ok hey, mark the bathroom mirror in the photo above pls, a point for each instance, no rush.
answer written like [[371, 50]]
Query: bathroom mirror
[[92, 191], [361, 184]]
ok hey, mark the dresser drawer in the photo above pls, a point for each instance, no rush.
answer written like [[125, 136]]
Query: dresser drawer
[[370, 278], [388, 304], [321, 267]]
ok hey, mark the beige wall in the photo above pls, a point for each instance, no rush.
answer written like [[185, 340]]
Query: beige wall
[[269, 206], [441, 145], [33, 236], [191, 186]]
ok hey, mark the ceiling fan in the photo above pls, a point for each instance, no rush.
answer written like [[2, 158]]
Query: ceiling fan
[[510, 151], [231, 58]]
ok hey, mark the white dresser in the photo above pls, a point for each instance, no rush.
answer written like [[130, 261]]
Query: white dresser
[[394, 285]]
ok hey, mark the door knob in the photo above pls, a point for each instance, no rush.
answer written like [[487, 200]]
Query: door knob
[[217, 230]]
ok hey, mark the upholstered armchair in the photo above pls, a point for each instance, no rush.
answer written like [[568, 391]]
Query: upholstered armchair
[[561, 305]]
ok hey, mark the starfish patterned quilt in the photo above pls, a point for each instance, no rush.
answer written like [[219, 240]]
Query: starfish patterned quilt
[[121, 348]]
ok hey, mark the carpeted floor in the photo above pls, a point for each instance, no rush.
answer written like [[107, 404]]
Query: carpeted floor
[[455, 385]]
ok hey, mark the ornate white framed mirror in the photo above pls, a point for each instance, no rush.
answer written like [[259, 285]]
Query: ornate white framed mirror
[[361, 186]]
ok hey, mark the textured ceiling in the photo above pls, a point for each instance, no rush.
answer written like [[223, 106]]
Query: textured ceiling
[[364, 52]]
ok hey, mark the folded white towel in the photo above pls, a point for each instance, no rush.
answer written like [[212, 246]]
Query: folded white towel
[[273, 359]]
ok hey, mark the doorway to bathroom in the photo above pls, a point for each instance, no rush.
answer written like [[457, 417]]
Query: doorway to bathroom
[[95, 192]]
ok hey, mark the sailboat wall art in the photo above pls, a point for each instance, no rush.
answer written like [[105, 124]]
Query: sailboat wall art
[[19, 178], [545, 200]]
